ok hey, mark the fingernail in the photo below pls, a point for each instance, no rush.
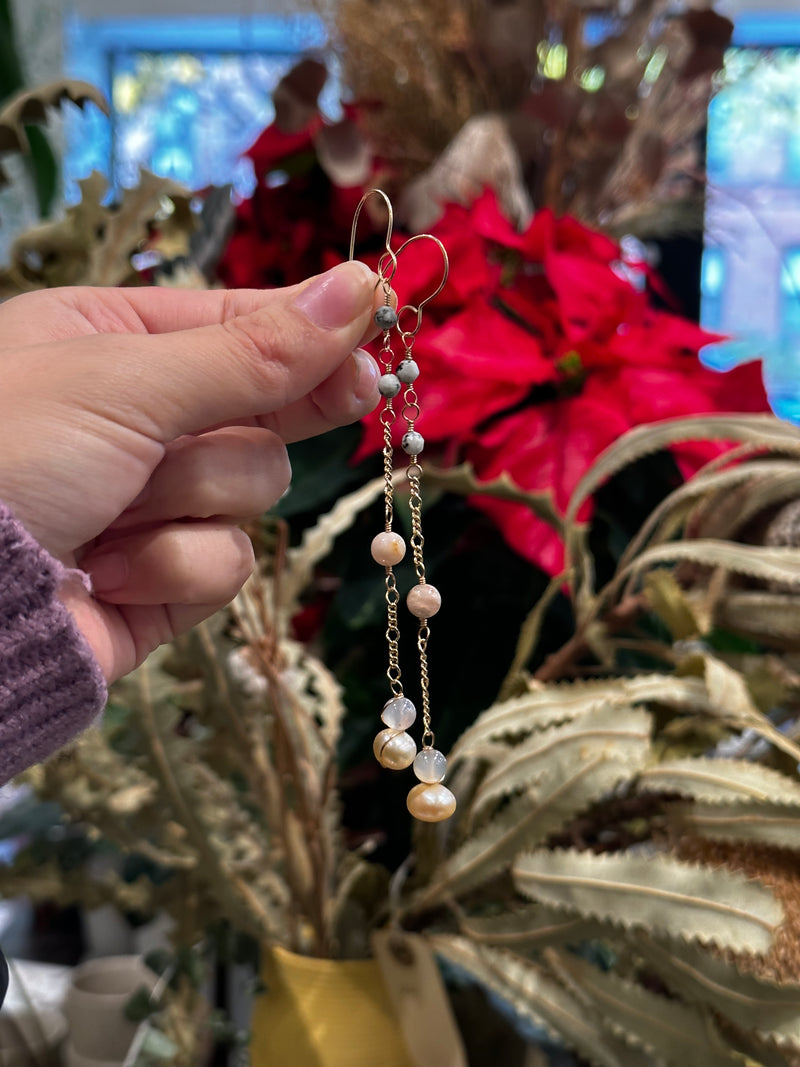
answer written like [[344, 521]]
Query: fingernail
[[367, 374], [108, 572], [338, 296]]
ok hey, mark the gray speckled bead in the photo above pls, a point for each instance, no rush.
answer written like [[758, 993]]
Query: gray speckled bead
[[389, 385], [408, 371], [413, 443], [399, 713], [386, 317]]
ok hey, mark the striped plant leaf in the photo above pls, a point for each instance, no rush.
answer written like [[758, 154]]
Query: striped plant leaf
[[524, 823], [721, 780], [547, 757], [559, 703], [654, 892], [761, 615], [767, 824], [538, 1000], [697, 975], [661, 1026], [533, 927]]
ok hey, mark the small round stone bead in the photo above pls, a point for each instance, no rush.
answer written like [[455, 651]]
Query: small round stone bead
[[389, 385], [399, 713], [424, 600], [386, 317], [394, 749], [408, 371], [430, 765], [388, 548], [413, 443], [431, 803]]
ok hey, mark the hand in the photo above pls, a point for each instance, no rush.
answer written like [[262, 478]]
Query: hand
[[139, 426]]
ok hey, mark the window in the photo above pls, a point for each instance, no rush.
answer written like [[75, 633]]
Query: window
[[187, 95]]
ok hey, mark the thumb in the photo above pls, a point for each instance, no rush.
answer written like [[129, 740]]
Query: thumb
[[168, 384]]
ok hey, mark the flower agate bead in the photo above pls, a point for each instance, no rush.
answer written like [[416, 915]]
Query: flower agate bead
[[424, 600], [399, 713], [394, 749], [413, 443], [388, 548], [430, 765], [388, 385], [408, 371], [431, 803], [386, 317]]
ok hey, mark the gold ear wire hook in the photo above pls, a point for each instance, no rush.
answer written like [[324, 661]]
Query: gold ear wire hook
[[384, 277], [431, 296]]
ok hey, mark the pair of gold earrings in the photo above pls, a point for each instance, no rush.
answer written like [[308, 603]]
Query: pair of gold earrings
[[429, 800]]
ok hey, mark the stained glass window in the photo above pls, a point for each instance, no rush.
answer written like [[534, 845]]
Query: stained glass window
[[753, 200], [187, 95]]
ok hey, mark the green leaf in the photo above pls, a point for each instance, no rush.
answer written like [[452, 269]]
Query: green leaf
[[537, 998], [546, 705], [660, 1026], [321, 470], [654, 892], [765, 824], [720, 780], [549, 756]]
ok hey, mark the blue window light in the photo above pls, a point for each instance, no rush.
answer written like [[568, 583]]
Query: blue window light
[[188, 95]]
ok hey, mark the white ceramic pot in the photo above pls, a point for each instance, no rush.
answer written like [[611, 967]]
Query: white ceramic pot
[[95, 1003], [25, 1038], [75, 1059]]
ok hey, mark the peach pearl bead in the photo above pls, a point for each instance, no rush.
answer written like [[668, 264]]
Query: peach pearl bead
[[424, 600], [431, 803], [388, 548], [394, 749]]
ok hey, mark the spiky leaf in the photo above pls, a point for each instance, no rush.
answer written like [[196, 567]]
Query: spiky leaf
[[533, 927], [662, 1027], [721, 780], [767, 824], [549, 756], [654, 892]]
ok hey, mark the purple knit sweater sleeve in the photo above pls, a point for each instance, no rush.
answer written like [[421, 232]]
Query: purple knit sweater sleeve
[[51, 686]]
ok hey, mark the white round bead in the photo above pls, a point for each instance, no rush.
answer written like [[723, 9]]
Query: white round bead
[[399, 713], [424, 600], [408, 371], [394, 749], [431, 803], [389, 385], [430, 765], [388, 548], [413, 443]]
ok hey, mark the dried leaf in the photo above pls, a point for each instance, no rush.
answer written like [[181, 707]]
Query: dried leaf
[[768, 824], [462, 480], [655, 892], [547, 758], [551, 704], [670, 603], [533, 927], [769, 617], [756, 561], [698, 975], [663, 1027], [30, 106], [538, 999], [724, 780]]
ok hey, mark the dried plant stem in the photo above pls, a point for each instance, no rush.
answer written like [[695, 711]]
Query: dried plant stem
[[253, 916]]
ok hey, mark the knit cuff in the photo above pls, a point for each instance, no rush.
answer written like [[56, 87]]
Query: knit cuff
[[51, 686]]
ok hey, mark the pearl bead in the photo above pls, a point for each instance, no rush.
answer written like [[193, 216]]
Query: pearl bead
[[389, 385], [424, 600], [413, 443], [388, 548], [399, 713], [430, 765], [408, 371], [431, 803], [386, 317], [394, 749]]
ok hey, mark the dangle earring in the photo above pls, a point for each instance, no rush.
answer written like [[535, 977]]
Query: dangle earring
[[430, 800]]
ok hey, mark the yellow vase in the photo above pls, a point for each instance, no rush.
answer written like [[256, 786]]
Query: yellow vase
[[324, 1013]]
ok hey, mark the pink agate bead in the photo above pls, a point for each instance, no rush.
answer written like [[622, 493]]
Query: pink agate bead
[[424, 600], [388, 548]]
